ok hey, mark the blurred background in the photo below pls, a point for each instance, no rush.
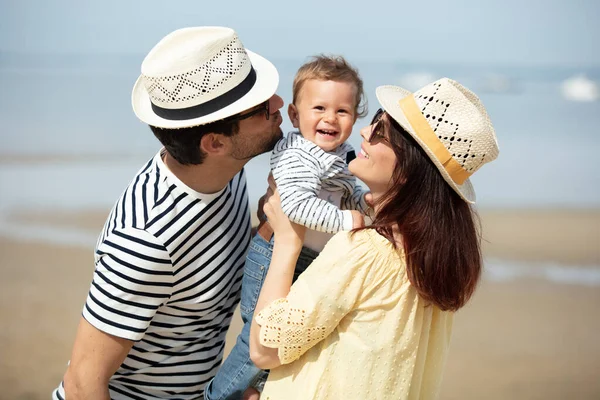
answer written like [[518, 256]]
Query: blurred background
[[70, 143]]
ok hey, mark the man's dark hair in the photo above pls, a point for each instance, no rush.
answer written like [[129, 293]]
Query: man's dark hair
[[183, 144]]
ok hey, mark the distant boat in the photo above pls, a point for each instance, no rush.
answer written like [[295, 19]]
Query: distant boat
[[580, 88]]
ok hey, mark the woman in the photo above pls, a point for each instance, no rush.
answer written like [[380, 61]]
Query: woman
[[371, 317]]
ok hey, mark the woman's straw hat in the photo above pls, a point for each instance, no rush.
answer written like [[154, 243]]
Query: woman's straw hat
[[450, 123], [195, 76]]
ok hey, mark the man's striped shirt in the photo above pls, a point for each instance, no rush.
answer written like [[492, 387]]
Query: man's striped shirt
[[168, 275]]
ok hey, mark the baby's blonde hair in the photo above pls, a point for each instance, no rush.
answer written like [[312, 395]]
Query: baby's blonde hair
[[331, 68]]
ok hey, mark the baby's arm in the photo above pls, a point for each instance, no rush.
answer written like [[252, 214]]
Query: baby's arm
[[298, 178], [356, 200]]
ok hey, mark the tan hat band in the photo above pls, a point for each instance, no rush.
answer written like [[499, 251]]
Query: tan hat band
[[423, 130]]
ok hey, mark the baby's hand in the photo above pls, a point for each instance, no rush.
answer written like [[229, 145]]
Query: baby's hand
[[358, 220]]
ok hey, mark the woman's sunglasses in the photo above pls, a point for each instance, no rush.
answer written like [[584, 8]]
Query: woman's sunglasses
[[376, 134]]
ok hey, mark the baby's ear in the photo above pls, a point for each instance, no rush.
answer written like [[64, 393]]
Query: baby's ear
[[293, 114]]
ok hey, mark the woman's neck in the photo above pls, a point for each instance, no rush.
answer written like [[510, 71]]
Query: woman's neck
[[397, 237]]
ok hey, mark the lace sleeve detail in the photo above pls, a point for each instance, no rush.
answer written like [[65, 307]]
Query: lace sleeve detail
[[285, 328], [321, 297]]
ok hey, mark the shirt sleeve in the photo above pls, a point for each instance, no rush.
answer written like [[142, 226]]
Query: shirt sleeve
[[356, 201], [298, 178], [327, 291], [132, 279]]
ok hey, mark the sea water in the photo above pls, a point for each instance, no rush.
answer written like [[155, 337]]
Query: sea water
[[73, 143]]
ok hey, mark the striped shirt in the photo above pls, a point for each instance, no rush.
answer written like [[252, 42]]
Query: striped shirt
[[168, 275], [302, 170]]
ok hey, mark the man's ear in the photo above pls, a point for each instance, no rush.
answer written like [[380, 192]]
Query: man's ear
[[214, 144], [293, 114]]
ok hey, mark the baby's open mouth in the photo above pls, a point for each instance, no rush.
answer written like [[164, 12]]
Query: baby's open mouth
[[328, 132]]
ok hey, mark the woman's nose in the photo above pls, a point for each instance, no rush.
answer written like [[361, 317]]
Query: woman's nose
[[365, 132]]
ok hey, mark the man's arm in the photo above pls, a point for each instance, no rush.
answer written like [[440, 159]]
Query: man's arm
[[95, 358], [133, 277]]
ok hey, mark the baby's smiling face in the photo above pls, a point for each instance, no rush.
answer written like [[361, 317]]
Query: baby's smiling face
[[325, 112]]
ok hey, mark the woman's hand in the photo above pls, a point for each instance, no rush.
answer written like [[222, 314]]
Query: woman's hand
[[358, 220], [284, 230]]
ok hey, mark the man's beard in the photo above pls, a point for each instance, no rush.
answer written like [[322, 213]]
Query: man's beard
[[242, 151]]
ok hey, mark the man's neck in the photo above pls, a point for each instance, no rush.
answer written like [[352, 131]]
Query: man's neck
[[208, 177]]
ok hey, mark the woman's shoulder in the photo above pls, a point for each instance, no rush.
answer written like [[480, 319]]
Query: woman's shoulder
[[364, 253], [364, 244], [361, 237]]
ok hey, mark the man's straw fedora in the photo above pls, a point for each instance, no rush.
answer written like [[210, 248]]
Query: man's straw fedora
[[195, 76]]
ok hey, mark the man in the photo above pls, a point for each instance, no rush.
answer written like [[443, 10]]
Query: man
[[169, 259]]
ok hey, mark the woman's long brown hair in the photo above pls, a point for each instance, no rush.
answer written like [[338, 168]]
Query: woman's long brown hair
[[440, 239]]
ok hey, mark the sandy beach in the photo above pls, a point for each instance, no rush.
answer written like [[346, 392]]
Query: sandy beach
[[523, 338], [73, 135]]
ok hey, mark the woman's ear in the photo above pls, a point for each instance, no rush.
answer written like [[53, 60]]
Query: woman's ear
[[214, 144], [293, 114]]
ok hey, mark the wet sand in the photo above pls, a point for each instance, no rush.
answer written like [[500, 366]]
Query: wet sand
[[522, 339]]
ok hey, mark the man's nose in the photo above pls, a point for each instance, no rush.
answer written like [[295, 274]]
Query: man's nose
[[275, 103]]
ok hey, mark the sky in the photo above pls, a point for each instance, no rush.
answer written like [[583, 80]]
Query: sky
[[507, 32]]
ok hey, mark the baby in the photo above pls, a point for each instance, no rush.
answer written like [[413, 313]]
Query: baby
[[310, 167]]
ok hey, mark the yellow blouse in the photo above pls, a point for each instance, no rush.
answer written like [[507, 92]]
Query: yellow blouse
[[353, 327]]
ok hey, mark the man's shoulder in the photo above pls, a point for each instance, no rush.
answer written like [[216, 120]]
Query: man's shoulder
[[155, 196], [127, 235], [134, 207]]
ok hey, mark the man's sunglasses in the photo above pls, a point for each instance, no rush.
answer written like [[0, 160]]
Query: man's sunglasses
[[264, 107]]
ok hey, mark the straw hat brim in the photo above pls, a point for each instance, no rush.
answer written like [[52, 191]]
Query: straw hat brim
[[267, 80], [389, 97]]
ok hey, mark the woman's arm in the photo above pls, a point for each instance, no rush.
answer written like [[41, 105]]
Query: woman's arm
[[291, 319], [288, 243]]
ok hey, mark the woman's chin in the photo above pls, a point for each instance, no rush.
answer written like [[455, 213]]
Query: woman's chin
[[351, 167], [354, 168]]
